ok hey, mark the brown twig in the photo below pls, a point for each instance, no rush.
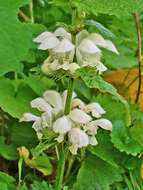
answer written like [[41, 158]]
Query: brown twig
[[139, 55]]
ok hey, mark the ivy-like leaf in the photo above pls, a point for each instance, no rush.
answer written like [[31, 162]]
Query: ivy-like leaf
[[6, 182], [112, 7], [122, 140], [9, 152], [96, 81], [22, 134], [96, 174], [41, 185], [105, 150], [16, 103], [16, 37], [102, 29], [44, 83]]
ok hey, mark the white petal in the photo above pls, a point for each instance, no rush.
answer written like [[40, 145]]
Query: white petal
[[49, 43], [77, 103], [97, 39], [101, 67], [37, 125], [28, 117], [93, 111], [64, 66], [62, 125], [73, 67], [93, 140], [80, 36], [53, 98], [46, 68], [39, 134], [79, 116], [41, 105], [110, 46], [64, 46], [90, 128], [60, 138], [103, 123], [46, 120], [73, 149], [88, 46], [97, 107], [63, 33], [43, 36], [78, 137]]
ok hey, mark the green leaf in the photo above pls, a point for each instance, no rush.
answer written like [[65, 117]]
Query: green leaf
[[41, 185], [102, 29], [120, 61], [6, 182], [105, 150], [22, 134], [122, 140], [96, 81], [15, 103], [114, 109], [44, 83], [9, 152], [82, 90], [112, 7], [16, 37], [96, 174], [137, 133]]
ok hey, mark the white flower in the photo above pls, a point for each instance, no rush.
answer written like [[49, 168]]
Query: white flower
[[62, 125], [93, 140], [63, 51], [95, 109], [61, 32], [78, 125], [103, 123], [79, 116], [78, 138]]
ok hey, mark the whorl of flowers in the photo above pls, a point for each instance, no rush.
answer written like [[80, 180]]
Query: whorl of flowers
[[62, 50], [80, 125]]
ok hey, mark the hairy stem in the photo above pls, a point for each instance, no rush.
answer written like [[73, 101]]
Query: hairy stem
[[31, 12], [61, 169], [139, 56], [69, 96]]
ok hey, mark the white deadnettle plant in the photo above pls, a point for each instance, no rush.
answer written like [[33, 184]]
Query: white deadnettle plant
[[80, 125], [62, 50]]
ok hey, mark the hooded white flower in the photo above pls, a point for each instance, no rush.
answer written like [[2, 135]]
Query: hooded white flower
[[103, 123], [78, 124], [79, 116], [78, 138], [62, 50], [95, 109], [62, 125]]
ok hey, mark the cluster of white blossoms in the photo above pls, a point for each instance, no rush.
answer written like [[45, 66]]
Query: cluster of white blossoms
[[80, 125], [62, 50]]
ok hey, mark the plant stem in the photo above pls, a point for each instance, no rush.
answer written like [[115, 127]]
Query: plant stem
[[31, 12], [71, 161], [69, 96], [60, 170], [139, 55]]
